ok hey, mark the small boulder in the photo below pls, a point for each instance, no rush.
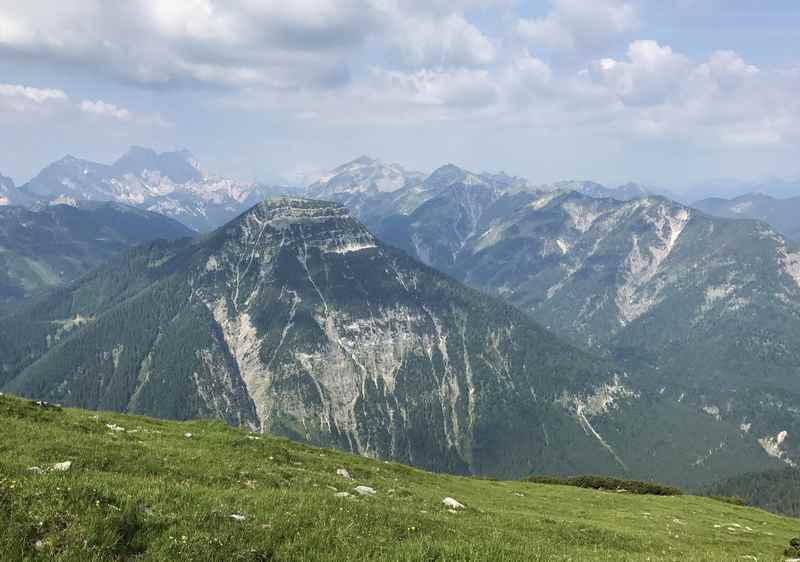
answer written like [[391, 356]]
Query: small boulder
[[187, 435], [62, 466], [344, 473], [238, 517], [365, 490], [451, 503], [114, 427], [35, 470], [342, 494]]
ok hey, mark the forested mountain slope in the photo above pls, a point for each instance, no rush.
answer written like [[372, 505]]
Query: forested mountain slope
[[294, 319]]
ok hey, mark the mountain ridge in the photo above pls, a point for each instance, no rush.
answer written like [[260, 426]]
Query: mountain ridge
[[781, 214], [170, 183], [52, 246], [294, 319]]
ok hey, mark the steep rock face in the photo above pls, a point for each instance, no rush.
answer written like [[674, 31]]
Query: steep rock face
[[170, 183], [294, 319]]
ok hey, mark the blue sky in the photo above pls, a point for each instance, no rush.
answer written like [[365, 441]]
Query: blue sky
[[669, 93]]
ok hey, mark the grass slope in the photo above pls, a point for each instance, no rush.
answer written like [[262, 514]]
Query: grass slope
[[152, 493]]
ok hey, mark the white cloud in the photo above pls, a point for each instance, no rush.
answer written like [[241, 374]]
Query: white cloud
[[21, 99], [579, 70], [651, 73], [524, 78], [579, 25], [447, 41], [104, 109], [302, 44], [457, 88]]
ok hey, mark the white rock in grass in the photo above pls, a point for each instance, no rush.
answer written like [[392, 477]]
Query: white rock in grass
[[342, 494], [187, 435], [114, 427], [62, 466], [365, 490], [453, 503], [344, 473], [35, 470], [238, 517]]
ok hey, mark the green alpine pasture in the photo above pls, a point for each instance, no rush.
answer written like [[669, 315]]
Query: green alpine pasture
[[144, 489]]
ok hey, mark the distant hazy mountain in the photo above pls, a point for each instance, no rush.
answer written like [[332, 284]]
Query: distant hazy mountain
[[623, 193], [59, 243], [782, 214], [171, 183], [294, 319], [779, 188]]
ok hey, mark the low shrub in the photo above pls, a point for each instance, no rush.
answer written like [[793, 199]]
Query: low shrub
[[609, 483]]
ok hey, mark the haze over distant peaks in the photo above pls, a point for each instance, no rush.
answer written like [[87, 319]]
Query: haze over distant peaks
[[170, 183], [781, 214]]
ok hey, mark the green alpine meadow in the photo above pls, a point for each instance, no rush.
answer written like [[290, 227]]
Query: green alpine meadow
[[83, 485]]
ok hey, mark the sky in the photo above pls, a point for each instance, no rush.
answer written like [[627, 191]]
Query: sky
[[665, 92]]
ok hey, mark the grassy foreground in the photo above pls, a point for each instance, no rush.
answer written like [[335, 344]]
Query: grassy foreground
[[142, 489]]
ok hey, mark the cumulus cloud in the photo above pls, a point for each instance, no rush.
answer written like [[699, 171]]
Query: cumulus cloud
[[656, 92], [104, 109], [524, 78], [579, 25], [239, 43], [19, 98], [447, 41], [458, 88], [649, 75], [582, 66]]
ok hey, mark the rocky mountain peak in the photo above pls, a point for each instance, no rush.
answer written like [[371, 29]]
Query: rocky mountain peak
[[363, 161], [180, 166], [363, 175], [446, 175], [304, 223]]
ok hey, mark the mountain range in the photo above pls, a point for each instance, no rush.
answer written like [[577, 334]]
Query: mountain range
[[171, 183], [704, 309], [781, 214], [57, 244], [673, 356], [729, 188], [294, 319]]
